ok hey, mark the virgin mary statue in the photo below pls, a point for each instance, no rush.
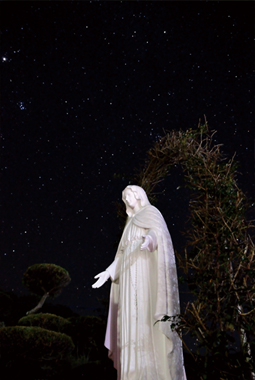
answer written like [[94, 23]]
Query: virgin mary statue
[[144, 289]]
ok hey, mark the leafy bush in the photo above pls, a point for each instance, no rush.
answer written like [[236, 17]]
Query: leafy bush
[[219, 259], [45, 321], [87, 333], [34, 343]]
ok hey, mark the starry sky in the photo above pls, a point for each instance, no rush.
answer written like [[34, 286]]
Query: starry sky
[[87, 88]]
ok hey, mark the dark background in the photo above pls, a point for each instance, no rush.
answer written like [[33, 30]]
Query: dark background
[[86, 90]]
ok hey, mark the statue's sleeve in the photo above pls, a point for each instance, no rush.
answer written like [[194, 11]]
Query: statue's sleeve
[[114, 269], [153, 241]]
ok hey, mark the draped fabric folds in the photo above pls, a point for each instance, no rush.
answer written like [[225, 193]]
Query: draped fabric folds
[[144, 289]]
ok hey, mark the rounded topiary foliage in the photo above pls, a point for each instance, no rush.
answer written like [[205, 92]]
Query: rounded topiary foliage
[[34, 343], [46, 321], [46, 278]]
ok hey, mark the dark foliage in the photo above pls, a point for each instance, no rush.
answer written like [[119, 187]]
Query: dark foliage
[[218, 261], [46, 278], [46, 321]]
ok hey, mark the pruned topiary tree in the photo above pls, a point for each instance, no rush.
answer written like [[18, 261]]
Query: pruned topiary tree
[[34, 343], [33, 351], [46, 321], [45, 280]]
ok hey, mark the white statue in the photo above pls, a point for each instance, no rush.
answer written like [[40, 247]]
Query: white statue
[[144, 289]]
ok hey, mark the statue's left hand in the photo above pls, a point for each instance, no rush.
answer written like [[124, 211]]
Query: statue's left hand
[[146, 243], [102, 278]]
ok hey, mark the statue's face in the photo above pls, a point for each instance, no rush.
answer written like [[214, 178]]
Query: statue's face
[[130, 198]]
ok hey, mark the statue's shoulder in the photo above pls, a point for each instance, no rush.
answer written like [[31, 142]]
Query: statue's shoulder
[[150, 211], [155, 213], [153, 209]]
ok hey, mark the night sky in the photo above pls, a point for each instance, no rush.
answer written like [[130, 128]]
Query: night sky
[[86, 89]]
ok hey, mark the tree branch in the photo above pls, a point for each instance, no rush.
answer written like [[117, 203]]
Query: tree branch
[[40, 304]]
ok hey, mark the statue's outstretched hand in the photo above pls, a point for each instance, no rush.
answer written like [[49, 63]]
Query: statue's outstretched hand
[[146, 243], [102, 278]]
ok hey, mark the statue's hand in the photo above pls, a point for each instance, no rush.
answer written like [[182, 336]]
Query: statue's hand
[[146, 243], [102, 278]]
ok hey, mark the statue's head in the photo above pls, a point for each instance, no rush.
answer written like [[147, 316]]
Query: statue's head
[[134, 198]]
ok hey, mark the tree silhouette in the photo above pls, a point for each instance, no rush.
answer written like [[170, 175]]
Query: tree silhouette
[[46, 280], [219, 258]]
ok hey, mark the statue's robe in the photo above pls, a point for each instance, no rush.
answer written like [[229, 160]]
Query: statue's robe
[[144, 289]]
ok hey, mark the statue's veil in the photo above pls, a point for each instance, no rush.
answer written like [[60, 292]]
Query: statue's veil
[[139, 194]]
